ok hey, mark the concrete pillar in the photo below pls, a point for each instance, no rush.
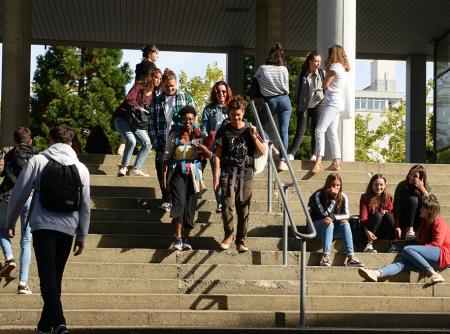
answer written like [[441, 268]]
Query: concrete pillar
[[416, 113], [235, 70], [15, 67], [336, 24], [269, 27]]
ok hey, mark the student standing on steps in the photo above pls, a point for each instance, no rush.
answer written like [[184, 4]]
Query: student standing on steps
[[59, 209], [433, 251], [328, 208], [184, 151], [15, 160], [236, 143]]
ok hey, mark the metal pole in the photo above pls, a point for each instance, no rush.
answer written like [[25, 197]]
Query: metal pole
[[302, 282], [285, 229], [269, 179]]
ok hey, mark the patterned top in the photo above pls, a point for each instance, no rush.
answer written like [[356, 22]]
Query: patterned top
[[158, 127]]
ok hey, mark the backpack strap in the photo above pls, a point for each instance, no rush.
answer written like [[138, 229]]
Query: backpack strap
[[321, 73]]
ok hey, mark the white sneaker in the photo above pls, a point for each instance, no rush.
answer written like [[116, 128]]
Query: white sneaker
[[369, 248], [186, 246], [166, 206], [411, 235], [313, 158], [24, 290], [291, 157], [282, 166], [138, 172], [122, 171], [369, 274]]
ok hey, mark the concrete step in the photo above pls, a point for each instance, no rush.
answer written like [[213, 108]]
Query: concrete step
[[100, 202], [393, 176], [234, 319], [232, 302], [203, 216]]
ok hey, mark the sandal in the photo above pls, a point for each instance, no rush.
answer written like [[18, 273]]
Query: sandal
[[316, 168]]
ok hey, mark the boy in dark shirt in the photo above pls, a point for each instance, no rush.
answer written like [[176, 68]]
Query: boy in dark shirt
[[236, 143]]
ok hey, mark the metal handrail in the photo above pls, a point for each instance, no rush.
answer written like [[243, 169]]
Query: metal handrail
[[283, 187]]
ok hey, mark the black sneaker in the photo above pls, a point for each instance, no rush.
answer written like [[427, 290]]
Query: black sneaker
[[62, 329], [8, 266], [354, 262]]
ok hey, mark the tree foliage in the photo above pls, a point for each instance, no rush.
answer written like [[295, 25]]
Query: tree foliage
[[200, 88], [79, 86]]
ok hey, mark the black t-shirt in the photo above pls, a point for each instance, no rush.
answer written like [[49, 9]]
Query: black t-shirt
[[238, 149]]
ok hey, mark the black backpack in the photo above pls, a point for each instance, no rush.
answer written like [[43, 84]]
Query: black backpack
[[60, 187], [14, 161]]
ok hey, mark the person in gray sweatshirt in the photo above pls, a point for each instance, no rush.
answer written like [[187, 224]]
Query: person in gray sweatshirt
[[52, 230]]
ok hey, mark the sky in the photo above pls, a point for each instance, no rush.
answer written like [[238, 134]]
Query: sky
[[195, 64]]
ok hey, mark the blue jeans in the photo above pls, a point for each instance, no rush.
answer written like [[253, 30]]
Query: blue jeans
[[217, 193], [130, 136], [425, 258], [280, 106], [327, 232], [25, 239]]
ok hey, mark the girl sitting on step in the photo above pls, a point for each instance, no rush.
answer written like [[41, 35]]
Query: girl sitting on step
[[328, 208], [375, 211], [432, 252]]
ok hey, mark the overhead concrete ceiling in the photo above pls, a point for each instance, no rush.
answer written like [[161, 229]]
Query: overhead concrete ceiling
[[384, 28]]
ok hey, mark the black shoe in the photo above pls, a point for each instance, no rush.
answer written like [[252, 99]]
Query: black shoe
[[62, 329]]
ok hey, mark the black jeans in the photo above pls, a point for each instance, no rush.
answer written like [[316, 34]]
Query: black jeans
[[302, 121], [51, 248], [382, 226], [159, 159], [410, 213], [184, 199]]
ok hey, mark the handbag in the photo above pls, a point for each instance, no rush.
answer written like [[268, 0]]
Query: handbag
[[138, 118], [254, 91]]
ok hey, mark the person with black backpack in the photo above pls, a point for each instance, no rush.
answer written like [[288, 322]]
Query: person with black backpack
[[15, 160], [236, 143], [59, 209]]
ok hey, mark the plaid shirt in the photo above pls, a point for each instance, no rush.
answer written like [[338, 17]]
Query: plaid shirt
[[212, 117], [158, 126]]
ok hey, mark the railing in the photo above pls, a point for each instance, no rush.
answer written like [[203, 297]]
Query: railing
[[287, 213]]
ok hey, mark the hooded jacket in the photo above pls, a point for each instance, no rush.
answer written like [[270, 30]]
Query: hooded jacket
[[41, 219]]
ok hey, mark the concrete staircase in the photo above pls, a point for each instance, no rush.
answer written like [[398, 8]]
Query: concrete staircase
[[127, 277]]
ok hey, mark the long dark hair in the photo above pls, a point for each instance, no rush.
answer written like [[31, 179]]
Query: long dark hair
[[276, 55], [326, 197], [411, 188], [309, 58], [374, 200], [434, 211]]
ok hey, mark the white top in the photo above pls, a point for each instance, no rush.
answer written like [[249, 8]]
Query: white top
[[335, 94], [273, 80]]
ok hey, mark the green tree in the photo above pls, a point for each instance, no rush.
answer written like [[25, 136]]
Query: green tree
[[79, 86], [200, 88]]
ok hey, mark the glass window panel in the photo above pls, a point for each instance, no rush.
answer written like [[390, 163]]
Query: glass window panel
[[363, 103], [370, 104], [443, 55], [443, 111]]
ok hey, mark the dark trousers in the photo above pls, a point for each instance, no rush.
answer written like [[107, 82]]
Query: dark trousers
[[51, 248], [231, 200], [302, 121], [184, 199], [410, 213], [159, 159], [382, 226]]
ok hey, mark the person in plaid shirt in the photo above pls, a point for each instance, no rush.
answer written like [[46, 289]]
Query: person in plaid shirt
[[164, 114]]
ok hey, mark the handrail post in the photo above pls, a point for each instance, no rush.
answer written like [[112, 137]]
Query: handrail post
[[302, 282], [269, 179], [285, 229]]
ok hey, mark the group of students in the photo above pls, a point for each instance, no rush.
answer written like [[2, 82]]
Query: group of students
[[413, 215], [183, 148]]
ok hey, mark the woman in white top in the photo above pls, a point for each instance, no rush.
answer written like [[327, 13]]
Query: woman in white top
[[334, 84], [273, 79]]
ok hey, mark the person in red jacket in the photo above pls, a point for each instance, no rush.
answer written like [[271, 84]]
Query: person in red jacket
[[375, 211], [432, 252]]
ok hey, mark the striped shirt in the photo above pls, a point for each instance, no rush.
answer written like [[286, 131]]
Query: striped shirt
[[273, 80]]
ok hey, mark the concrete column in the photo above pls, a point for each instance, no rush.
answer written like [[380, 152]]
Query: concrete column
[[235, 70], [416, 112], [336, 24], [269, 27], [16, 67]]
